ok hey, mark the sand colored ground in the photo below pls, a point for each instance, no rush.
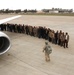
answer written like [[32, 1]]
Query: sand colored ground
[[26, 57], [3, 16]]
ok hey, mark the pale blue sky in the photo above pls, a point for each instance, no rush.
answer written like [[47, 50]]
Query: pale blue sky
[[36, 4]]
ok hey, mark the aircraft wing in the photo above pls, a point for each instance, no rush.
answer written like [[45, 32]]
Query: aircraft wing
[[5, 43], [8, 19]]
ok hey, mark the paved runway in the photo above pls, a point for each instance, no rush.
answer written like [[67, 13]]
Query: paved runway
[[26, 57]]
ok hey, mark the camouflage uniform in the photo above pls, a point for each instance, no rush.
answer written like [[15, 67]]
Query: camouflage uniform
[[47, 52]]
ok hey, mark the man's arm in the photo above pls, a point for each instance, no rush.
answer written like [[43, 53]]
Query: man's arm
[[44, 49]]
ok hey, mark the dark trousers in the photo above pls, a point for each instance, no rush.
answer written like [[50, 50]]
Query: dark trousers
[[65, 44]]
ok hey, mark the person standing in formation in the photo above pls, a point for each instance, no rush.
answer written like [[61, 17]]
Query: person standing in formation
[[66, 40]]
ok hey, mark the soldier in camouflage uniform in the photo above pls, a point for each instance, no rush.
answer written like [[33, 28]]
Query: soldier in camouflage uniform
[[47, 52]]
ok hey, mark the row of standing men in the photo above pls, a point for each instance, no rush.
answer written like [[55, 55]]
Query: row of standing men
[[59, 37]]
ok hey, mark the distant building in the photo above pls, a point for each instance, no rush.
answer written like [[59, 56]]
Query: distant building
[[53, 11], [40, 11], [66, 11], [57, 10]]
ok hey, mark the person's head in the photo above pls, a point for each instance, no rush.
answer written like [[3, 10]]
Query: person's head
[[66, 33], [46, 43]]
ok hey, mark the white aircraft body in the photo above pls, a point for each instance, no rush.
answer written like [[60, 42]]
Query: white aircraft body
[[5, 43]]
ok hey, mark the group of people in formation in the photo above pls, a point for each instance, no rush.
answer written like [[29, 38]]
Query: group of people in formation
[[59, 37]]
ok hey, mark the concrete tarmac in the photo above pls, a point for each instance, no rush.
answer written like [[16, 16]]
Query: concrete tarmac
[[26, 57]]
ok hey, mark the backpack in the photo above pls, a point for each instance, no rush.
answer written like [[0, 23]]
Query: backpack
[[49, 49]]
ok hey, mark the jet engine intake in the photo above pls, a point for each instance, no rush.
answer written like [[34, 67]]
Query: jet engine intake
[[4, 43]]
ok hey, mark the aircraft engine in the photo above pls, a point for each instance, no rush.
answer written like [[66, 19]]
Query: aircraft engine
[[4, 43]]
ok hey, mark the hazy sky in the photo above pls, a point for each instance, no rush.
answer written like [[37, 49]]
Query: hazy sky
[[36, 4]]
